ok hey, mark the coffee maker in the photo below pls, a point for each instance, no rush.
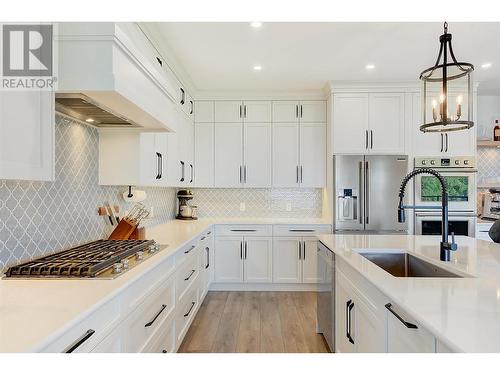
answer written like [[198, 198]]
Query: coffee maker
[[186, 211], [491, 205]]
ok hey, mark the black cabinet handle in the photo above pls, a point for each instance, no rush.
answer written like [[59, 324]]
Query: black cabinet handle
[[183, 96], [442, 144], [245, 111], [191, 248], [296, 111], [241, 250], [192, 107], [149, 324], [446, 135], [208, 257], [240, 110], [161, 166], [80, 341], [371, 139], [366, 139], [303, 250], [191, 274], [202, 238], [164, 351], [189, 311], [243, 230], [182, 166], [245, 249], [405, 323], [301, 111], [350, 306], [301, 230], [157, 166], [192, 173], [300, 250]]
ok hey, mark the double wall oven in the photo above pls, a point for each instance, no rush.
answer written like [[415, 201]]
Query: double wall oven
[[460, 175]]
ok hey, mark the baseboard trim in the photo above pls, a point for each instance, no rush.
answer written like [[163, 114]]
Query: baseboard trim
[[264, 287]]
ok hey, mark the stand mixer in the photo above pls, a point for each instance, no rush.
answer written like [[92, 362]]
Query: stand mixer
[[186, 211]]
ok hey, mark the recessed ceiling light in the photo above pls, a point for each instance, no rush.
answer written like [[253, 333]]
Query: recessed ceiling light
[[89, 119], [486, 65], [256, 24], [257, 67], [370, 67]]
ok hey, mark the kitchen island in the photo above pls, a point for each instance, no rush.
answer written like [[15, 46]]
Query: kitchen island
[[461, 314]]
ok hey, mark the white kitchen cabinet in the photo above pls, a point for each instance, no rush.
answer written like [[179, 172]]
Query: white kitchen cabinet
[[257, 155], [285, 154], [257, 111], [228, 154], [287, 260], [204, 149], [206, 263], [257, 259], [312, 154], [299, 111], [350, 123], [228, 111], [143, 154], [228, 259], [27, 135], [405, 335], [368, 123], [204, 111], [344, 324], [310, 271]]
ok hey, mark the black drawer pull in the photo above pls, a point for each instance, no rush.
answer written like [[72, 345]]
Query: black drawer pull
[[80, 341], [243, 230], [405, 323], [301, 230], [164, 351], [203, 238], [191, 248], [189, 311], [149, 324], [191, 274]]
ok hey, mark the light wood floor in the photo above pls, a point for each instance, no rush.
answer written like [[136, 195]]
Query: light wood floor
[[253, 322]]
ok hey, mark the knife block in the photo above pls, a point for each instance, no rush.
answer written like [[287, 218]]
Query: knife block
[[123, 230], [139, 233]]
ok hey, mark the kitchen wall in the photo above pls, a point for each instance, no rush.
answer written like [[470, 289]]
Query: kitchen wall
[[305, 203], [37, 218]]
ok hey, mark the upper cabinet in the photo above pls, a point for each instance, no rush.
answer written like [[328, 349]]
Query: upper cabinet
[[27, 135], [204, 111], [248, 111], [295, 111], [369, 123]]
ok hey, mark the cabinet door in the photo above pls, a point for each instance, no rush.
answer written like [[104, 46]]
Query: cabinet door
[[310, 271], [150, 164], [174, 165], [204, 111], [257, 155], [287, 265], [387, 123], [343, 325], [258, 255], [461, 143], [228, 111], [313, 154], [285, 111], [257, 111], [401, 339], [228, 154], [312, 111], [228, 259], [369, 336], [350, 123], [285, 155], [161, 151], [27, 135], [204, 154], [424, 144]]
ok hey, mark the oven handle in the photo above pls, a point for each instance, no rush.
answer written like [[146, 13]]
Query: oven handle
[[465, 214], [448, 171]]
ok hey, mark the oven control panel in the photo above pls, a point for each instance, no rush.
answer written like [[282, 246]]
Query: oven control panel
[[451, 162]]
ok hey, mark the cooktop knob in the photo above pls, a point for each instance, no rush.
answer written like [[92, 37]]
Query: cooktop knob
[[457, 162], [152, 248], [125, 263], [433, 162], [424, 162], [139, 255], [117, 268], [466, 162]]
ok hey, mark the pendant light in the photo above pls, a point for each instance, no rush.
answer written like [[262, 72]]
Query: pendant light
[[447, 91]]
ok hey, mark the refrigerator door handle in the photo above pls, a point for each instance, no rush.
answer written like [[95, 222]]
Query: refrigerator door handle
[[367, 194], [360, 181]]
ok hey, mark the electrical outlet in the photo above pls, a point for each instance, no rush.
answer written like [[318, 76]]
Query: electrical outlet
[[288, 206], [242, 206]]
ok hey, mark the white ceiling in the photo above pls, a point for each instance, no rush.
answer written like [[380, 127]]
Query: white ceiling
[[305, 56]]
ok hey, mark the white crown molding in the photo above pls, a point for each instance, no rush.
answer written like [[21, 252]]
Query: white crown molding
[[261, 95], [361, 86]]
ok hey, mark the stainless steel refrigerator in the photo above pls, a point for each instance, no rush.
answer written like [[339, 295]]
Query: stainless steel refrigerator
[[366, 191]]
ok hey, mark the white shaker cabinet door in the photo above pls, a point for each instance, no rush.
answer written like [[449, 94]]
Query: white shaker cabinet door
[[258, 255], [27, 135], [228, 111], [313, 154], [285, 111], [257, 111], [228, 155], [287, 265], [312, 111], [386, 123], [204, 154], [204, 111], [285, 155], [229, 259], [257, 155], [350, 123]]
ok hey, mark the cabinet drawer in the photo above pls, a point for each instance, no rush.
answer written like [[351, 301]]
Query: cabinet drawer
[[84, 336], [243, 230], [186, 275], [144, 322], [301, 230], [151, 280], [185, 313], [164, 339], [186, 252]]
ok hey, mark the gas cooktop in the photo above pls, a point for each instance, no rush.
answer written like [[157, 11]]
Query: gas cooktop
[[103, 259]]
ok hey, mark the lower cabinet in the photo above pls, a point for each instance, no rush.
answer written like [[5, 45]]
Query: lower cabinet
[[243, 259]]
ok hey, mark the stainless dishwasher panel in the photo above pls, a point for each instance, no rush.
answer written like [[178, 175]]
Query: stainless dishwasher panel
[[325, 301]]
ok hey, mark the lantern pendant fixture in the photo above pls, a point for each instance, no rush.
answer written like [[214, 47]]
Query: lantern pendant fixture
[[447, 91]]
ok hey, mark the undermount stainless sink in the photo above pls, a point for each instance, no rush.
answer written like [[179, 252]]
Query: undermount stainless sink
[[406, 265]]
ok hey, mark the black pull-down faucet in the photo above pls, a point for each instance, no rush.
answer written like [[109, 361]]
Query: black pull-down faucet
[[445, 246]]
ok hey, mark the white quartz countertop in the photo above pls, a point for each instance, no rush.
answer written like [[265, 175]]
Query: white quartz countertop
[[464, 313], [33, 312]]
